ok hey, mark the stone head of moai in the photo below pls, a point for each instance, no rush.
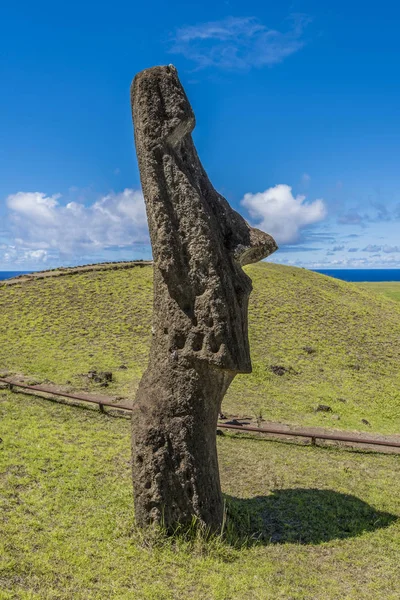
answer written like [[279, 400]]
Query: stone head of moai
[[200, 244]]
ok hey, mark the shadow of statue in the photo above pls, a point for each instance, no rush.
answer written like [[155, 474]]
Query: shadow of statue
[[302, 516]]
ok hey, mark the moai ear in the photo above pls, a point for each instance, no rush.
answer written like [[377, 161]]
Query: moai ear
[[199, 242]]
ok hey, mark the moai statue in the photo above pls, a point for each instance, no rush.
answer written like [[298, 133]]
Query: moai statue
[[200, 339]]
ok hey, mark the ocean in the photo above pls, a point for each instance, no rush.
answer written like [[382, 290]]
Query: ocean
[[345, 274], [10, 274], [362, 274]]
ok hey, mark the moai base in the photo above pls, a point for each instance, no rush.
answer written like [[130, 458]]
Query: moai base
[[201, 292]]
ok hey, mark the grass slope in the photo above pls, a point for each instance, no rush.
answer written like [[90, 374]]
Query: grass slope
[[335, 343], [391, 289], [329, 518]]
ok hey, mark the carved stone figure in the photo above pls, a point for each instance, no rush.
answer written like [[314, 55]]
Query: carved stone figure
[[201, 293]]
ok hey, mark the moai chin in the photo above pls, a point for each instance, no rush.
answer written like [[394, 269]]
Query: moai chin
[[200, 340]]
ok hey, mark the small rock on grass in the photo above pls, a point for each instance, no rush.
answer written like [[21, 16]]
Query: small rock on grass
[[309, 349], [103, 377], [323, 408]]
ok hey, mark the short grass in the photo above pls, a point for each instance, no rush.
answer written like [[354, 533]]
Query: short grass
[[338, 343], [391, 289], [328, 520]]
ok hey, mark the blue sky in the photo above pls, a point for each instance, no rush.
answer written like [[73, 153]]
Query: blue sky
[[298, 124]]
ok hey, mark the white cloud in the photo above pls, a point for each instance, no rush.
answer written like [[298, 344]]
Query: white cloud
[[36, 255], [33, 205], [238, 42], [372, 248], [282, 214], [390, 249], [41, 223], [387, 249]]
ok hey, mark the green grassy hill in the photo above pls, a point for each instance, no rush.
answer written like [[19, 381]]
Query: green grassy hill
[[314, 340], [314, 523], [328, 518], [391, 289]]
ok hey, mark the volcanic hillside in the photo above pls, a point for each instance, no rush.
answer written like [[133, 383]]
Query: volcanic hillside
[[314, 341]]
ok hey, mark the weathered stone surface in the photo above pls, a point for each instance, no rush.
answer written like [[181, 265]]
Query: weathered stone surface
[[201, 296]]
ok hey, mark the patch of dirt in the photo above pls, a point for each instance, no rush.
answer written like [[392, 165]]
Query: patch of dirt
[[280, 370], [323, 408], [309, 349]]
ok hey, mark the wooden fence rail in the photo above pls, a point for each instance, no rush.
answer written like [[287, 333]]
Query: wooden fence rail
[[275, 430]]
